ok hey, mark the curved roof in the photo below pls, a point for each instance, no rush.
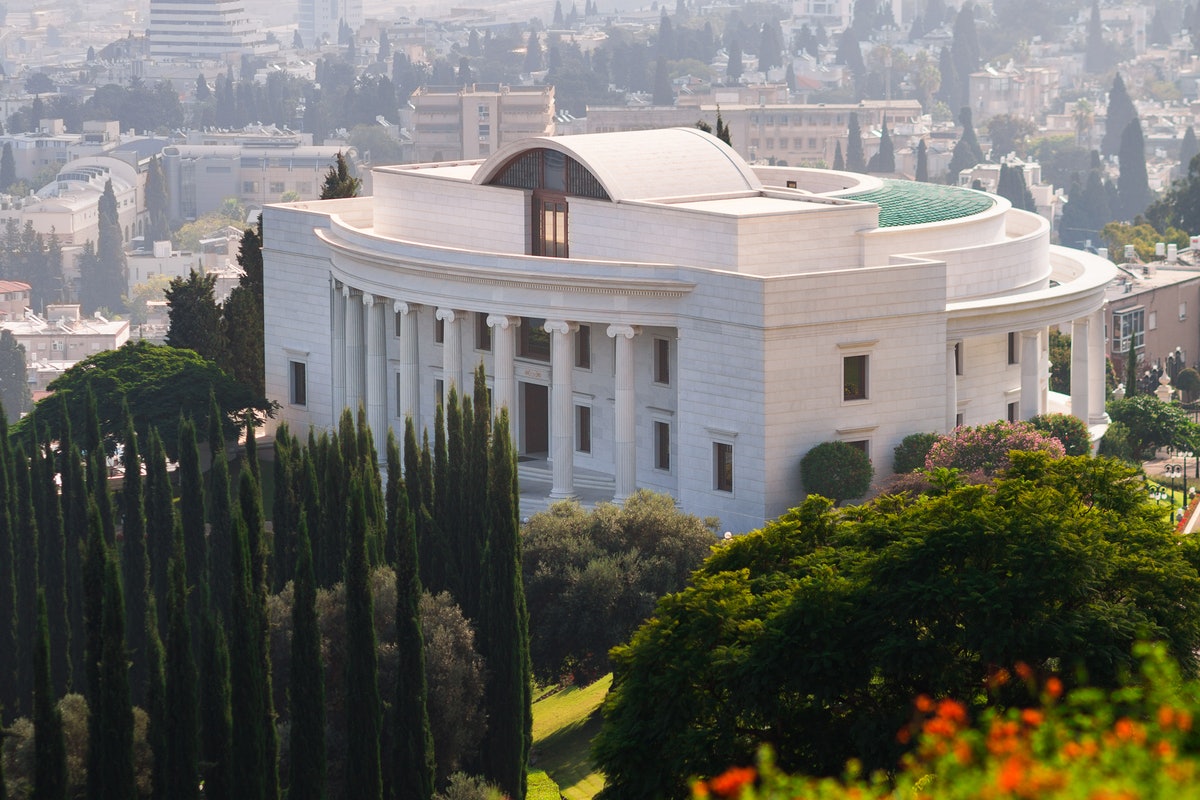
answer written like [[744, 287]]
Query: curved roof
[[913, 203], [643, 165]]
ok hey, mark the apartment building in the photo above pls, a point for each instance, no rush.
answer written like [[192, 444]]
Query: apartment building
[[452, 123]]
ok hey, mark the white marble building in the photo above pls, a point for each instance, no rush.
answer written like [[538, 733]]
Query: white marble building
[[650, 307]]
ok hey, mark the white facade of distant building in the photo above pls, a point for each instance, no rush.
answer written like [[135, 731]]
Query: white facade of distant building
[[320, 19], [57, 341], [203, 29], [649, 306]]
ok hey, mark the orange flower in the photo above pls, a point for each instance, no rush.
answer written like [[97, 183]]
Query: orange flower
[[952, 710], [730, 782], [1024, 670], [1071, 751], [1129, 731], [1183, 719], [1031, 717], [923, 703], [903, 735], [1054, 687], [1166, 717], [1164, 750], [1012, 773], [699, 789], [998, 677], [962, 752]]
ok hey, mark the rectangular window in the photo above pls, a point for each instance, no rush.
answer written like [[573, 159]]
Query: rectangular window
[[959, 420], [770, 143], [277, 187], [1128, 327], [550, 236], [1182, 311], [723, 466], [439, 330], [862, 445], [958, 358], [812, 143], [854, 378], [583, 347], [1152, 321], [249, 187], [662, 361], [439, 386], [1014, 348], [1014, 412], [483, 334], [397, 322], [299, 383], [583, 429], [791, 184], [533, 341], [662, 445]]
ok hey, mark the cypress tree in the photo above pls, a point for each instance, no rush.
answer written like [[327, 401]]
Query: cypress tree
[[412, 466], [216, 715], [191, 514], [475, 487], [8, 584], [854, 146], [249, 738], [285, 506], [839, 161], [886, 157], [414, 758], [1133, 184], [50, 751], [504, 627], [52, 568], [114, 753], [252, 449], [332, 548], [1188, 149], [91, 433], [450, 501], [93, 630], [220, 535], [363, 716], [182, 754], [435, 558], [306, 695], [158, 727], [75, 529], [135, 568], [922, 172], [160, 518], [1117, 116], [27, 579]]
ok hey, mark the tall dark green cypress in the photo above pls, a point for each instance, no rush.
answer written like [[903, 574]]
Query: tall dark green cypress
[[27, 579], [182, 770], [412, 466], [216, 715], [91, 433], [252, 449], [52, 567], [135, 570], [435, 559], [158, 728], [256, 547], [8, 581], [75, 534], [285, 507], [115, 711], [49, 748], [191, 514], [246, 685], [364, 778], [414, 757], [93, 636], [332, 549], [160, 519], [368, 464], [451, 518], [220, 536], [504, 627], [306, 694], [476, 488]]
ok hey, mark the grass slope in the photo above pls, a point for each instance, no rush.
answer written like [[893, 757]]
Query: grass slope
[[563, 726]]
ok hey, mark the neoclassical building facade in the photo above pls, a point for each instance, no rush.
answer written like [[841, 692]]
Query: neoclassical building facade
[[650, 307]]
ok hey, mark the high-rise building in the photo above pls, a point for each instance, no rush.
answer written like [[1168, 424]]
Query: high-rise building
[[203, 29], [457, 122], [320, 19]]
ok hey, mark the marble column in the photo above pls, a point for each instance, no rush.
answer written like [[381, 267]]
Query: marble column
[[338, 349], [504, 350], [1081, 378], [376, 373], [1096, 414], [451, 350], [355, 356], [410, 376], [951, 385], [562, 408], [625, 441], [1031, 374]]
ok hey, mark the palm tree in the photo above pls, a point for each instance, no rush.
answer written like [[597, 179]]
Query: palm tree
[[1084, 115]]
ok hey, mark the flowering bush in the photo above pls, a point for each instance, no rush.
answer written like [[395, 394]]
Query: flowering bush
[[1132, 743], [986, 447]]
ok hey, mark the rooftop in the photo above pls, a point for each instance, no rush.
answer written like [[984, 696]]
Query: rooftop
[[913, 203]]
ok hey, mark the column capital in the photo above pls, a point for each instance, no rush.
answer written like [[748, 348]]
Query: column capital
[[368, 299], [560, 326], [401, 307], [1031, 333], [503, 321], [447, 314], [345, 290], [628, 331]]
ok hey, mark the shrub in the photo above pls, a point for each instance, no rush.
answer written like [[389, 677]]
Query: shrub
[[1070, 430], [1115, 443], [468, 787], [986, 447], [836, 470], [909, 455], [1188, 381]]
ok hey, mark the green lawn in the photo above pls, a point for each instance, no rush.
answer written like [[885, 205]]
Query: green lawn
[[563, 726]]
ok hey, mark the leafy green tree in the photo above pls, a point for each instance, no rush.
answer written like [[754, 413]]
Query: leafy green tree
[[591, 577], [910, 454], [339, 182], [159, 383], [50, 757], [987, 448], [836, 470], [1188, 382], [1070, 430], [1152, 423], [815, 633], [194, 318], [1060, 361], [14, 377], [306, 691]]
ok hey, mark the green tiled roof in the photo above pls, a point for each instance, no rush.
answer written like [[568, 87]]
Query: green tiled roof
[[913, 203]]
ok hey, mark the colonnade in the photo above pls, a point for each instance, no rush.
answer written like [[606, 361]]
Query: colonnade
[[359, 362]]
